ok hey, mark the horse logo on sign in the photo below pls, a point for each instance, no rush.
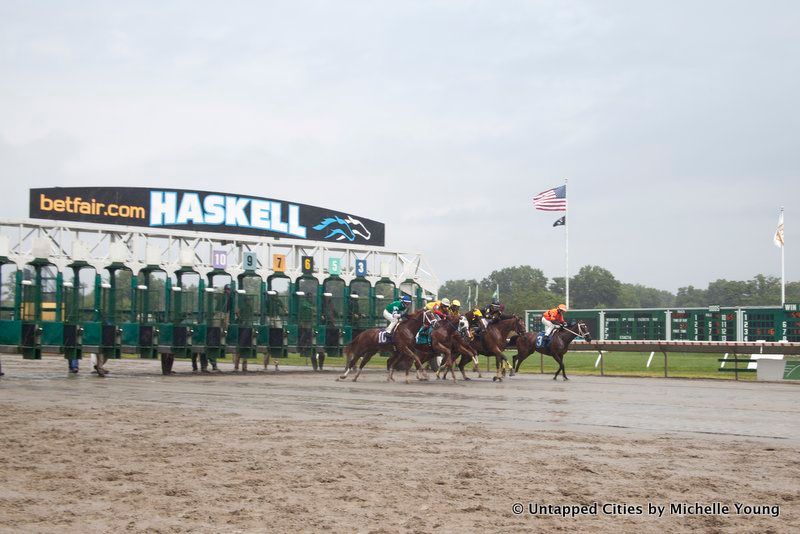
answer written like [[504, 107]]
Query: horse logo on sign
[[347, 228]]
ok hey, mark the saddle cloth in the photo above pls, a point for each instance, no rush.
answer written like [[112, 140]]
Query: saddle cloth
[[384, 337], [424, 336], [542, 341]]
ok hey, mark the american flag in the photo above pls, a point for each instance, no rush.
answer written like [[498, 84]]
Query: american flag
[[552, 200]]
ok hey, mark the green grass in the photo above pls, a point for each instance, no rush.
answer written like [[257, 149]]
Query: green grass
[[679, 365]]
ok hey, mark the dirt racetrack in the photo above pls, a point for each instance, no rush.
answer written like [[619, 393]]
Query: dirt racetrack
[[297, 451]]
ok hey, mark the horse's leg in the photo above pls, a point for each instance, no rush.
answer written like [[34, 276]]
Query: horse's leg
[[391, 361], [476, 365], [350, 364], [462, 362], [518, 359], [364, 360], [563, 368], [558, 370]]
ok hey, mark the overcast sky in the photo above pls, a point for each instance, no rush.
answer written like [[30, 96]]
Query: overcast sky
[[676, 122]]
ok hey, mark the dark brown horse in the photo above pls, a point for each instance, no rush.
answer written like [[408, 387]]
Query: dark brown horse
[[441, 336], [460, 345], [493, 341], [366, 345], [559, 344]]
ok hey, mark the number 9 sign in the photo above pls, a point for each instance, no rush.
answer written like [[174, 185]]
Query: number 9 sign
[[250, 261]]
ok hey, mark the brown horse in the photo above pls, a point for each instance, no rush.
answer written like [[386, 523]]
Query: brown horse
[[460, 345], [409, 351], [366, 345], [559, 344], [445, 340], [493, 341]]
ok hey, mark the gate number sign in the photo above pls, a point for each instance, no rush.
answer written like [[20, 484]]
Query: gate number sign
[[334, 266], [279, 263], [308, 264], [361, 267], [250, 261], [219, 259]]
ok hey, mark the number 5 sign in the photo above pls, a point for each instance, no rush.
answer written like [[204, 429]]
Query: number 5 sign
[[334, 266]]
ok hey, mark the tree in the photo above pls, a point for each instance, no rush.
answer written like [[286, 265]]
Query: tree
[[458, 289], [521, 288], [690, 296], [594, 287]]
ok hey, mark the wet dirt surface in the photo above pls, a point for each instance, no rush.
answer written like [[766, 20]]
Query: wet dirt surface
[[298, 450]]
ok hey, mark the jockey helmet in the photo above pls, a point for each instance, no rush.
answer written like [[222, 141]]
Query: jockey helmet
[[456, 303], [562, 307], [406, 299], [445, 302], [477, 313], [495, 302]]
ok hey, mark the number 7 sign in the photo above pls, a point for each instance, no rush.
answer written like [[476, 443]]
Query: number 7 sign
[[279, 263]]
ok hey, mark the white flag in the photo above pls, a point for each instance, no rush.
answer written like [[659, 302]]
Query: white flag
[[778, 239]]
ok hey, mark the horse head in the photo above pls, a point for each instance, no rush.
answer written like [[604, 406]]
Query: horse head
[[583, 331], [519, 326], [347, 228]]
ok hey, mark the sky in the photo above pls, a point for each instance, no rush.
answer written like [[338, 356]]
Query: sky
[[676, 123]]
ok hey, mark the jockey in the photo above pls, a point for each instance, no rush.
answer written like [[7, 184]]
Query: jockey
[[395, 311], [552, 318], [493, 311], [434, 311], [478, 324], [455, 308]]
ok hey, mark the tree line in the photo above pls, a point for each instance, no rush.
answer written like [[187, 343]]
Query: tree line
[[527, 288]]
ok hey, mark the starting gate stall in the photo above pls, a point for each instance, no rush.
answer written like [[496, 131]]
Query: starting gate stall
[[78, 295], [219, 307], [185, 313], [331, 324], [303, 310], [385, 293], [412, 289], [10, 324], [151, 309], [249, 306], [40, 291], [359, 316], [279, 287], [102, 333]]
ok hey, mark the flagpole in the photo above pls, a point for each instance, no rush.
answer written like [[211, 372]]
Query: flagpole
[[783, 267], [566, 244]]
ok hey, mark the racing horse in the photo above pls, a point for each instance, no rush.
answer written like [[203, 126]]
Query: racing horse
[[445, 340], [493, 341], [367, 344], [559, 344], [461, 346]]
